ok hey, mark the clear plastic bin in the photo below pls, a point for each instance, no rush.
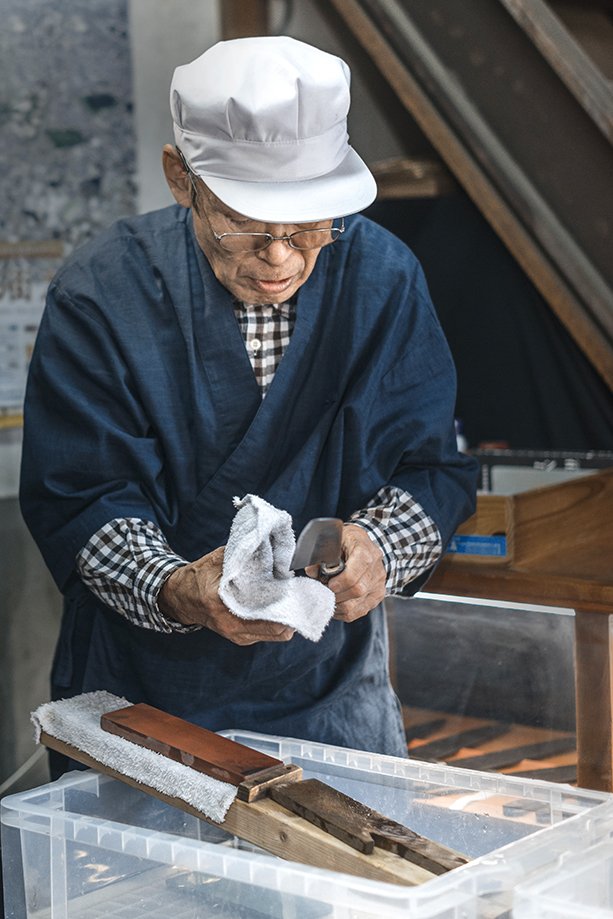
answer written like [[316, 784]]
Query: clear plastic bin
[[91, 846], [579, 887]]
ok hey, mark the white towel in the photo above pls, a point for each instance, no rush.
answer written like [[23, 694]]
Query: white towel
[[76, 722], [257, 582]]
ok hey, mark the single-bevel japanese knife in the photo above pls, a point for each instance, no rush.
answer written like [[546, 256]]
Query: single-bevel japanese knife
[[320, 543]]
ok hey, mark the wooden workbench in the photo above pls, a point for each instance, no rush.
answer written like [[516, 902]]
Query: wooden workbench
[[559, 553]]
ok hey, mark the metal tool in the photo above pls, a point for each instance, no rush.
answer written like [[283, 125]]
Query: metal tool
[[320, 543]]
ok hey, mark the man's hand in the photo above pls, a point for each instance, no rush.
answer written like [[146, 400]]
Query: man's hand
[[361, 586], [190, 596]]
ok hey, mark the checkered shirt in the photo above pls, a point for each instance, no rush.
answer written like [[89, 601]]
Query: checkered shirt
[[126, 562], [266, 331]]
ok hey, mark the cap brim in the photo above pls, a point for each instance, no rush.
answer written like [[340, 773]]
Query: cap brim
[[346, 190]]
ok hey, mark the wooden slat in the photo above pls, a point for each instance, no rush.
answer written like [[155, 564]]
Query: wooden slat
[[401, 177], [592, 26], [50, 248], [567, 774], [446, 746], [567, 58], [363, 828], [510, 755], [506, 746]]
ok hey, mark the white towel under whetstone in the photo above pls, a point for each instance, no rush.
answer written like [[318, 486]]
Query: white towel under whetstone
[[256, 580], [76, 722]]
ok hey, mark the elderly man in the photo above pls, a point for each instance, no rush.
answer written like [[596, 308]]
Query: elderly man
[[248, 339]]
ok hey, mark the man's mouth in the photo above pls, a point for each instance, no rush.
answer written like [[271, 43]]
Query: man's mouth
[[272, 287]]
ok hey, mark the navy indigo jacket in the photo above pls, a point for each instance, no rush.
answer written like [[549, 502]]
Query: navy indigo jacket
[[142, 402]]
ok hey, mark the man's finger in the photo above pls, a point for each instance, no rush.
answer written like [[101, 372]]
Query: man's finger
[[351, 610], [260, 630]]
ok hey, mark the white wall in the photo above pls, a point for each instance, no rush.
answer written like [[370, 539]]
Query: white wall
[[164, 34]]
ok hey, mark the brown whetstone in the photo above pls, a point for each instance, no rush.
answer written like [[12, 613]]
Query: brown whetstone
[[199, 748], [447, 746], [498, 759], [362, 828]]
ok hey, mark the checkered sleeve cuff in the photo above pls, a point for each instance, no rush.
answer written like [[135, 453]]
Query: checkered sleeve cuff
[[407, 536], [125, 564]]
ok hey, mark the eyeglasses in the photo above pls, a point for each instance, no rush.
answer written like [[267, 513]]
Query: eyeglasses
[[300, 239], [315, 238]]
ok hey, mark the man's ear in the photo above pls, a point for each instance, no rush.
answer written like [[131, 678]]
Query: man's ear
[[177, 178]]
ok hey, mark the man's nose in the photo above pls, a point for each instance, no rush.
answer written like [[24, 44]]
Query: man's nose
[[277, 252]]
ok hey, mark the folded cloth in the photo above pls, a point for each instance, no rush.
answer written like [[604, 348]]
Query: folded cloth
[[76, 722], [256, 580]]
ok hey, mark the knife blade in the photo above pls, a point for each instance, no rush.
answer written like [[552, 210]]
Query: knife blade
[[320, 543]]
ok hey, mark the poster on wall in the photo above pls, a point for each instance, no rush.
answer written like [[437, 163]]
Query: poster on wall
[[67, 162], [22, 298]]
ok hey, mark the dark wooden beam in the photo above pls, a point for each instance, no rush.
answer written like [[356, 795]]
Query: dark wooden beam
[[242, 18], [593, 682], [558, 46], [539, 173]]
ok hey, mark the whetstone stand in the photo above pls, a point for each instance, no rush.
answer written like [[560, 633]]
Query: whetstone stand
[[271, 827]]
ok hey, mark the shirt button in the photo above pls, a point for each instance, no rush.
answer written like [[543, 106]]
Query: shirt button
[[256, 344]]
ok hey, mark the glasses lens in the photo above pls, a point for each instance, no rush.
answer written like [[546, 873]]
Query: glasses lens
[[244, 242], [314, 239]]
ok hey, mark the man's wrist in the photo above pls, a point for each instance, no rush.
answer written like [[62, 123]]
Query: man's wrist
[[169, 597]]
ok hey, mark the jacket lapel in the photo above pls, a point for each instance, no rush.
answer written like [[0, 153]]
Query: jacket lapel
[[271, 445]]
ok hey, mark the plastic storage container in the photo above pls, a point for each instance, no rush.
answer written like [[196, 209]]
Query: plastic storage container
[[579, 887], [91, 846]]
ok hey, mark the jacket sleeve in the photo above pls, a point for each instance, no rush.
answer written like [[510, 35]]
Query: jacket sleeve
[[411, 419], [89, 453]]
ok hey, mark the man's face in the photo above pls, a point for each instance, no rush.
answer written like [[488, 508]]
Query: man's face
[[271, 275]]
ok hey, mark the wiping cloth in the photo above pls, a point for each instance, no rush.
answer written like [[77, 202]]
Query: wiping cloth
[[257, 582], [76, 722]]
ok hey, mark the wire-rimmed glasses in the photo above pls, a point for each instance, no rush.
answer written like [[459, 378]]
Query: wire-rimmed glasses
[[312, 238]]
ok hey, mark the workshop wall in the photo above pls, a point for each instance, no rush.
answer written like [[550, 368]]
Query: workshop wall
[[67, 169]]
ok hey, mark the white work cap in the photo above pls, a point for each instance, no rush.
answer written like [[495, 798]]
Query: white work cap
[[263, 121]]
